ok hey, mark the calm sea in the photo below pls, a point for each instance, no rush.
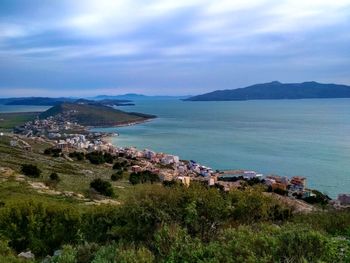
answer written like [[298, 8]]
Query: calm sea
[[285, 137]]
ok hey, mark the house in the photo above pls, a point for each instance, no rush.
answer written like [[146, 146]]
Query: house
[[344, 199], [251, 174], [62, 145], [277, 182], [185, 180], [149, 154], [136, 169], [298, 184], [13, 143]]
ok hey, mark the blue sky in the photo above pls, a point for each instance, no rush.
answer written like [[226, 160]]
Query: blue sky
[[177, 47]]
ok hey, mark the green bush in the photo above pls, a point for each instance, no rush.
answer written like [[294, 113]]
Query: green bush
[[31, 170], [103, 187], [77, 155], [38, 226], [54, 177], [143, 177], [117, 176]]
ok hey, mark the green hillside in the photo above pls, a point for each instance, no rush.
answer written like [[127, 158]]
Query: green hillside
[[94, 115]]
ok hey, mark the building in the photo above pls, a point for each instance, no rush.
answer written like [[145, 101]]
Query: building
[[136, 169], [13, 143], [344, 199], [277, 182], [298, 184]]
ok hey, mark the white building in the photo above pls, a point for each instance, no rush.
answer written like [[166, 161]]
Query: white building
[[170, 159]]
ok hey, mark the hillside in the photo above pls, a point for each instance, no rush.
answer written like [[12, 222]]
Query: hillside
[[276, 90], [94, 115], [65, 220]]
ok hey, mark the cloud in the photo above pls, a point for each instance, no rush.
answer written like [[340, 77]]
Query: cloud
[[123, 41]]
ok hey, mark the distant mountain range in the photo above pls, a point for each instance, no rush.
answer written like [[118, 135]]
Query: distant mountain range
[[276, 91], [136, 97], [117, 100]]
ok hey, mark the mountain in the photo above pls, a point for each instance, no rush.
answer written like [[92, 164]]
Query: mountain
[[35, 101], [137, 97], [276, 91], [94, 114]]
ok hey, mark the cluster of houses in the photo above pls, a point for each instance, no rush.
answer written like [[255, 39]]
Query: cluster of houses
[[51, 127], [342, 201]]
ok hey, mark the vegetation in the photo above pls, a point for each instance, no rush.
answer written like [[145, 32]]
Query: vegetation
[[31, 170], [143, 177], [103, 187], [53, 152], [117, 176], [177, 224], [54, 177], [10, 120], [94, 114], [155, 222], [77, 155], [97, 157]]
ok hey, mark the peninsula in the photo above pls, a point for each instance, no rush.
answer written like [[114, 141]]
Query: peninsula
[[277, 91]]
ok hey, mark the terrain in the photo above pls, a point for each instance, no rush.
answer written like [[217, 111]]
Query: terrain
[[95, 115], [63, 219], [276, 91]]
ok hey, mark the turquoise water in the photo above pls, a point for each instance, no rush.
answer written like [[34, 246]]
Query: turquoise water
[[286, 137]]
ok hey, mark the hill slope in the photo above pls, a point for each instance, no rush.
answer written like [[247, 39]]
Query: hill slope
[[94, 115], [276, 90]]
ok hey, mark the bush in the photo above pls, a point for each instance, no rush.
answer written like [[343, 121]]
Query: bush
[[77, 155], [99, 157], [143, 177], [117, 176], [31, 170], [120, 165], [103, 187], [54, 177], [39, 227], [53, 152]]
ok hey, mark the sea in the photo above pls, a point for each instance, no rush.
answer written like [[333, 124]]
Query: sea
[[309, 138]]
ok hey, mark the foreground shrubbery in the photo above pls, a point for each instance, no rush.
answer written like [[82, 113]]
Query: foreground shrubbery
[[178, 224]]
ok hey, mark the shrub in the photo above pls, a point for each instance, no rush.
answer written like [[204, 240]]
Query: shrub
[[38, 226], [54, 177], [120, 165], [86, 252], [77, 155], [143, 177], [99, 157], [53, 152], [117, 176], [103, 187], [31, 170]]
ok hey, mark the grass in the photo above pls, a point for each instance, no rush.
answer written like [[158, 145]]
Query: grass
[[9, 120], [96, 115]]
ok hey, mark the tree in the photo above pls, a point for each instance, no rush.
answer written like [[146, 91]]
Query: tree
[[103, 187], [117, 176], [54, 177], [31, 170]]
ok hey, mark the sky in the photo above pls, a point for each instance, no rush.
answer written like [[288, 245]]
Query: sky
[[169, 47]]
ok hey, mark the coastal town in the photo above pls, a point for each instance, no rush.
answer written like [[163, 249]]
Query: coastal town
[[69, 137]]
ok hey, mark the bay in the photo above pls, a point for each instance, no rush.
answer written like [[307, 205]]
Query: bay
[[310, 138]]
